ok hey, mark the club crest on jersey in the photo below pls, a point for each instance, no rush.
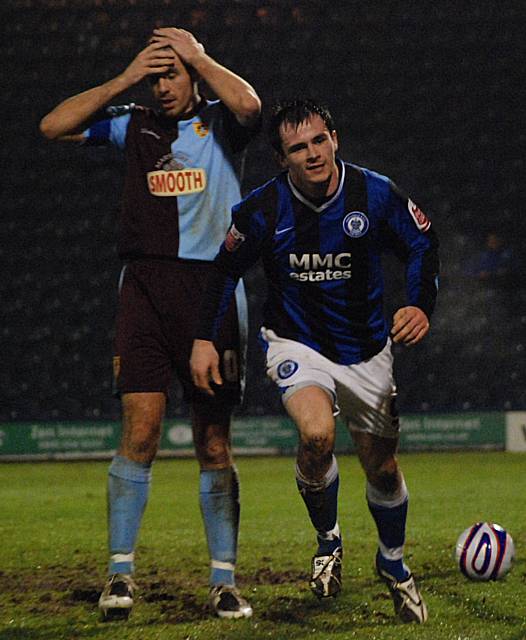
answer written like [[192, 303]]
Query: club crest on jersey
[[234, 239], [287, 368], [201, 129], [355, 224], [420, 218]]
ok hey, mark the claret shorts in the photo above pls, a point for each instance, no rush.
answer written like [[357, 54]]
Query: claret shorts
[[157, 312]]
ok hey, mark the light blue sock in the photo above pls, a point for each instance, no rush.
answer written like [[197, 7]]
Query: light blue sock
[[128, 488], [219, 500]]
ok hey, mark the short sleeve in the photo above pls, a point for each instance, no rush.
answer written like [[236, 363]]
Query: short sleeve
[[236, 134], [110, 130]]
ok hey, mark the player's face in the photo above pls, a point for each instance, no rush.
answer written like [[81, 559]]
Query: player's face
[[174, 90], [309, 153]]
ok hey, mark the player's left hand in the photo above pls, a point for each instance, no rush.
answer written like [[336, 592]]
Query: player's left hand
[[410, 325], [182, 42], [204, 366]]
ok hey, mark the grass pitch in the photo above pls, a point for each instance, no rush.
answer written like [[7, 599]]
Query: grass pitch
[[53, 554]]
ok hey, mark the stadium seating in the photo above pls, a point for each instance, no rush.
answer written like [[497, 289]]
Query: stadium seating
[[421, 91]]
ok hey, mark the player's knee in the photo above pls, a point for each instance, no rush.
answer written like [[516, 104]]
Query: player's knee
[[318, 444], [385, 476], [141, 443], [388, 483], [213, 453]]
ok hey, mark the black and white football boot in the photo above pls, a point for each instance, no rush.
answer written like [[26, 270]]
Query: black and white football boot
[[116, 600], [227, 602], [326, 577], [408, 603]]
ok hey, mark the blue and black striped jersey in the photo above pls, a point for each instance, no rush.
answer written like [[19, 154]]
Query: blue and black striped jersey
[[323, 262]]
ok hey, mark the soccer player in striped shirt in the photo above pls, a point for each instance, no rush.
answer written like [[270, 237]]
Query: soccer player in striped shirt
[[320, 228]]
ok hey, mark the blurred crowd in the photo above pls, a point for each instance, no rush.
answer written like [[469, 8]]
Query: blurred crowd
[[427, 94]]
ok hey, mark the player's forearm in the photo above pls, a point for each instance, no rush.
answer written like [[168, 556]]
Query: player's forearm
[[218, 295], [422, 291], [74, 114], [237, 94], [422, 274]]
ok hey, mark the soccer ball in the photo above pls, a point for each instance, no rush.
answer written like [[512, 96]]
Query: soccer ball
[[485, 551]]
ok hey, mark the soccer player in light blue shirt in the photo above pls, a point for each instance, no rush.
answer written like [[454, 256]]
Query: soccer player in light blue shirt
[[180, 185]]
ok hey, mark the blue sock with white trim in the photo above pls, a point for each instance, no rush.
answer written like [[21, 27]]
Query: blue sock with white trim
[[128, 488], [321, 500], [219, 500], [390, 514]]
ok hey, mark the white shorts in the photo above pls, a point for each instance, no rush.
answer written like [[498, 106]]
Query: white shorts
[[364, 393]]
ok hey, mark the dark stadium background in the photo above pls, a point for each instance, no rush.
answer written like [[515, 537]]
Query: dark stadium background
[[430, 93]]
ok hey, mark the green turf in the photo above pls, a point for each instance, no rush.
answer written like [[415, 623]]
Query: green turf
[[53, 538]]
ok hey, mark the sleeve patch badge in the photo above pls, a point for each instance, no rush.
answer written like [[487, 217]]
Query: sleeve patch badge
[[234, 239], [421, 220]]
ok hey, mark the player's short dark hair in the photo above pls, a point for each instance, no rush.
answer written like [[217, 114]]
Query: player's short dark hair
[[295, 112]]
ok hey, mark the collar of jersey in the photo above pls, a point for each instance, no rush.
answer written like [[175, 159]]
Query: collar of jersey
[[185, 117], [325, 205]]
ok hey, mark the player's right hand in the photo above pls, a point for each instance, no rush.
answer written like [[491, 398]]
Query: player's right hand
[[204, 366], [156, 58], [183, 43], [410, 325]]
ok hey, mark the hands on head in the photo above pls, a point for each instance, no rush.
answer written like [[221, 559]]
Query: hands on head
[[158, 56], [155, 58], [181, 41]]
